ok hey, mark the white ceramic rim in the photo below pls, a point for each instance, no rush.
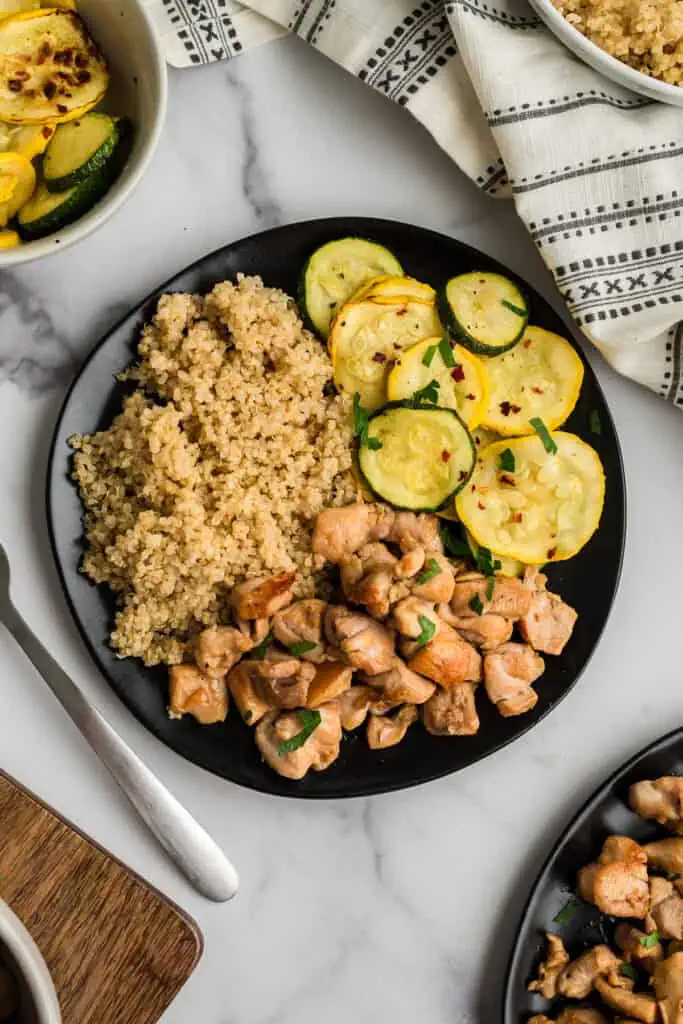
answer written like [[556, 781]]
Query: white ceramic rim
[[81, 229], [31, 965], [604, 62]]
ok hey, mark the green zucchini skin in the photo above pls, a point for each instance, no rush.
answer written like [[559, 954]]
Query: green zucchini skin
[[458, 332], [93, 164], [409, 405]]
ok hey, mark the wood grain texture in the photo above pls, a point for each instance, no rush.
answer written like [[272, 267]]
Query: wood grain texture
[[119, 951]]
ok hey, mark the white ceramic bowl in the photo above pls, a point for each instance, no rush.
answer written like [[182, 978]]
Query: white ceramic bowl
[[603, 62], [39, 1004], [138, 89]]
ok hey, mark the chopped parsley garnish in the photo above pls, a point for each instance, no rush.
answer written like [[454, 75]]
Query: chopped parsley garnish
[[628, 972], [360, 426], [453, 543], [302, 647], [507, 461], [260, 649], [429, 393], [649, 941], [490, 586], [512, 307], [544, 434], [310, 720], [594, 422], [432, 569], [485, 562], [673, 876], [446, 353], [567, 914], [429, 355], [476, 605], [428, 628]]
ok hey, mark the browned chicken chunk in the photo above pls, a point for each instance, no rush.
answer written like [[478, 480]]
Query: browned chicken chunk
[[340, 532], [452, 712], [192, 692], [666, 909], [556, 960], [411, 531], [668, 983], [665, 855], [485, 631], [578, 979], [659, 800], [447, 659], [401, 685], [510, 598], [435, 582], [284, 681], [406, 615], [250, 702], [548, 624], [302, 623], [318, 751], [617, 883], [366, 644], [367, 578], [263, 597], [219, 648], [331, 680], [581, 1015], [641, 1007], [357, 702], [629, 939], [389, 730], [509, 672]]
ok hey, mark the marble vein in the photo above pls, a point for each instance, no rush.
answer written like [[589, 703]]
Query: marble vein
[[34, 355], [255, 186]]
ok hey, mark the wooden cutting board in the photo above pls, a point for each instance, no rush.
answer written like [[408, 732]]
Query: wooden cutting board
[[119, 952]]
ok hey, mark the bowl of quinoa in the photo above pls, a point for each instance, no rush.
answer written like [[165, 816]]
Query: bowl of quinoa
[[636, 43]]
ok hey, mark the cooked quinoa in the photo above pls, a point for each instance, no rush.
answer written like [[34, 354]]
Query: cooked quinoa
[[216, 467], [647, 34]]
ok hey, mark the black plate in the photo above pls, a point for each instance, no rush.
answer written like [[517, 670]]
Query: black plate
[[588, 582], [606, 813]]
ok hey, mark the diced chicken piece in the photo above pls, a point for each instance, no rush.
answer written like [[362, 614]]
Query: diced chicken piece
[[556, 960], [284, 682], [249, 701], [368, 559], [263, 597], [641, 1007], [617, 883], [668, 983], [340, 532], [485, 631], [318, 751], [510, 598], [193, 692], [357, 702], [366, 644], [665, 855], [255, 630], [666, 909], [540, 1018], [389, 730], [406, 615], [659, 800], [549, 623], [578, 979], [629, 939], [411, 531], [410, 564], [447, 659], [509, 672], [401, 685], [452, 712], [302, 623], [367, 578], [219, 648], [331, 680], [581, 1015], [436, 581]]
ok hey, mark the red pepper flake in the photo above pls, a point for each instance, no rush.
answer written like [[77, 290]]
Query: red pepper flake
[[471, 398], [445, 455], [379, 357], [14, 85], [527, 343], [551, 552], [538, 391], [462, 475], [505, 479], [507, 407], [46, 132], [62, 109], [458, 373], [517, 518], [402, 312], [481, 506]]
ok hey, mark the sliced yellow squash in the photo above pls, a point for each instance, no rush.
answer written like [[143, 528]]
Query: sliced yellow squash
[[9, 240], [461, 377], [17, 184], [390, 289], [541, 376], [50, 68], [8, 7], [29, 141], [366, 338], [508, 566], [483, 437], [544, 510]]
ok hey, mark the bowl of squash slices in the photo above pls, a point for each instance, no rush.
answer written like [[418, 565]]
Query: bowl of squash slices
[[83, 87]]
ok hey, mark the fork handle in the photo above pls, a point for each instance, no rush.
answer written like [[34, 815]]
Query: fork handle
[[191, 848]]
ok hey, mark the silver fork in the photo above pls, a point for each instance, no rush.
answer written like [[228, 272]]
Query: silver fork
[[191, 848]]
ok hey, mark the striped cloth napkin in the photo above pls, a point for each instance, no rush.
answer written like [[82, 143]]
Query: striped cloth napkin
[[591, 167]]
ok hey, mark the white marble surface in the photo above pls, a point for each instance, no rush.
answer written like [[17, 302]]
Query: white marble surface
[[399, 907]]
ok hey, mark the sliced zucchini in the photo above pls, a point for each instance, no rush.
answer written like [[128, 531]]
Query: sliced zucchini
[[462, 383], [543, 511], [50, 68], [542, 376], [485, 312], [9, 239], [17, 184], [389, 289], [508, 566], [365, 340], [417, 458], [48, 212], [334, 272], [79, 149]]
